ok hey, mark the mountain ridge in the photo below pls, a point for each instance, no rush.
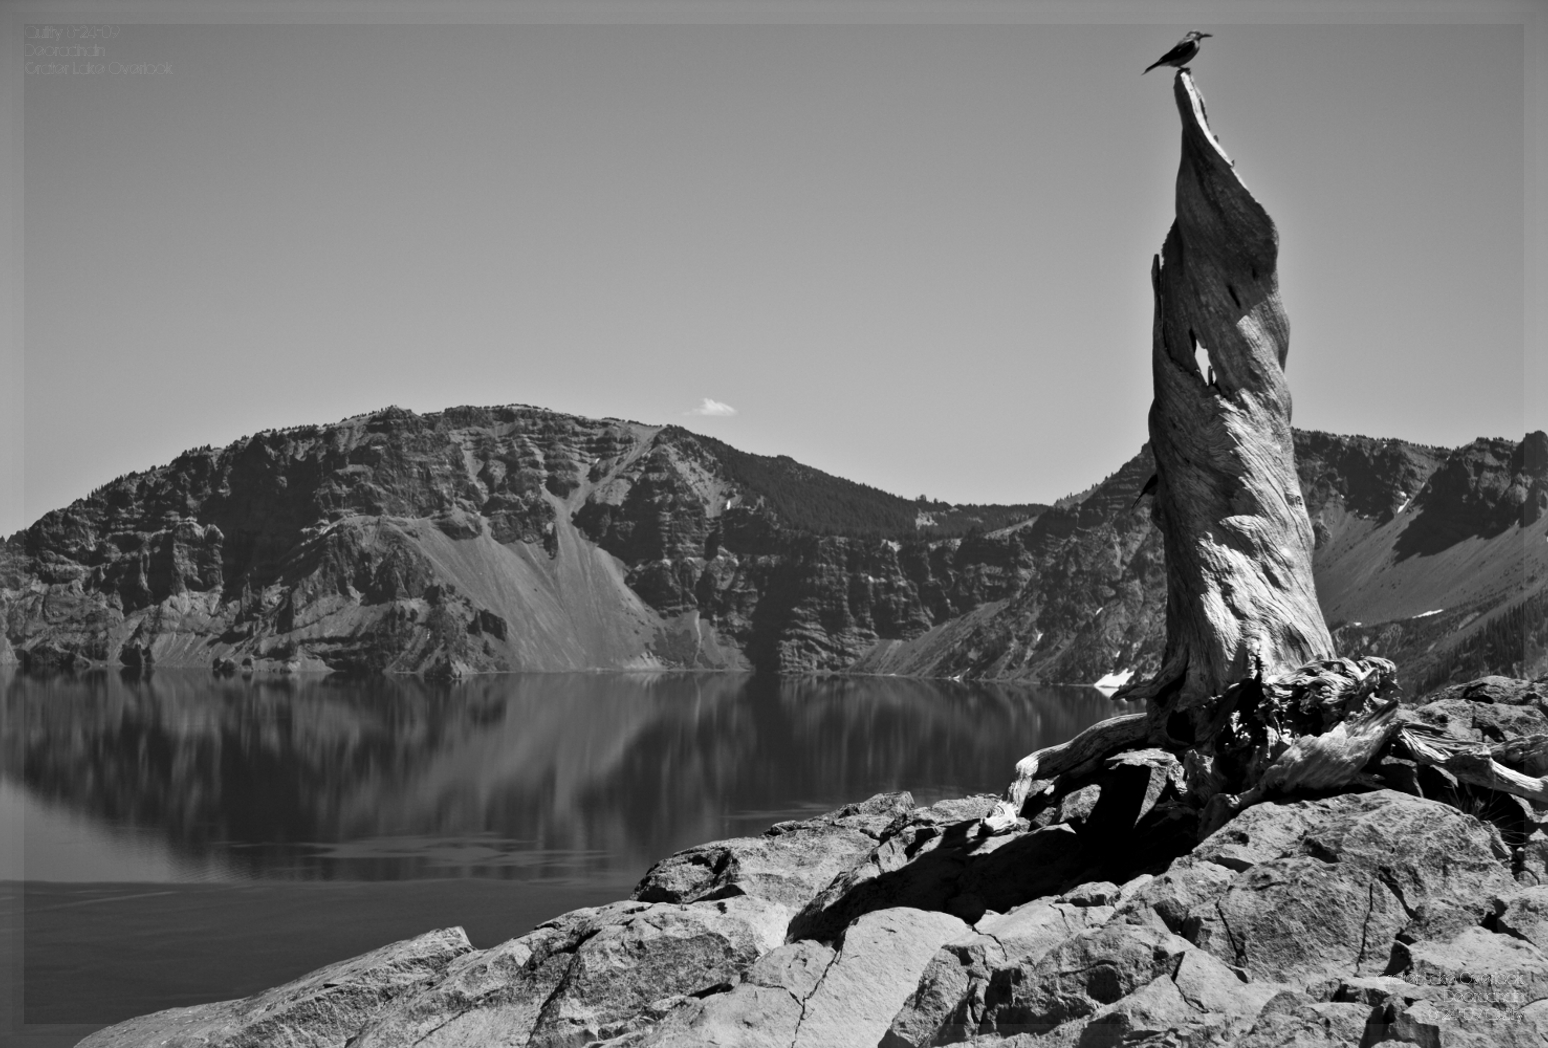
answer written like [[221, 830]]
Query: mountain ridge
[[517, 538]]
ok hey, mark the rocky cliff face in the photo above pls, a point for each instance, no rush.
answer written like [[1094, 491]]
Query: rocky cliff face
[[388, 541], [515, 538], [487, 539], [1442, 569], [1435, 558]]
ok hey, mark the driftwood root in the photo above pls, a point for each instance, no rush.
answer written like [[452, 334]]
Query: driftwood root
[[1318, 729]]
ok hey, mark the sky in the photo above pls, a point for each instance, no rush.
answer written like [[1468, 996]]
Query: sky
[[912, 250]]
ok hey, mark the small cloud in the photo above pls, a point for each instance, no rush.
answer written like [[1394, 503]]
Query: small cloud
[[712, 407]]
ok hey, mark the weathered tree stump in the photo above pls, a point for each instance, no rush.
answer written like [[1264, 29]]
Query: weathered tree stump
[[1240, 596], [1249, 695]]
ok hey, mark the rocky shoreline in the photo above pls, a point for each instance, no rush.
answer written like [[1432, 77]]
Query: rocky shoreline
[[1411, 909]]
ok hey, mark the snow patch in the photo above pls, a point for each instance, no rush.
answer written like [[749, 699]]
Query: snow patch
[[1114, 681], [1427, 614]]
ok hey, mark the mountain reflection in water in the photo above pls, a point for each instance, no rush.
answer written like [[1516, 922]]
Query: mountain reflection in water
[[551, 776]]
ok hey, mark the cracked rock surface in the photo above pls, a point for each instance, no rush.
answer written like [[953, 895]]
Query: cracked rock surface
[[325, 1007]]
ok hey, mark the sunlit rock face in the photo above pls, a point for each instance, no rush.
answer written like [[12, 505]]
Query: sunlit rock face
[[515, 538], [1432, 557], [491, 539]]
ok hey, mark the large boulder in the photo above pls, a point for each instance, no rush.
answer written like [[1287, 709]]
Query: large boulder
[[948, 1001], [1488, 722], [1276, 929], [322, 1009], [809, 995], [789, 863], [1119, 983], [878, 964], [669, 949], [1326, 887], [492, 994], [1504, 691], [1075, 979], [1477, 965], [1524, 914], [585, 976], [1293, 1017], [763, 1012]]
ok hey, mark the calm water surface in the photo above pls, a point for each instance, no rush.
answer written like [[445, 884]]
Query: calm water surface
[[189, 839]]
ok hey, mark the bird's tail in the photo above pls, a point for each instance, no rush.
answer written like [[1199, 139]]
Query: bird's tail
[[1150, 67]]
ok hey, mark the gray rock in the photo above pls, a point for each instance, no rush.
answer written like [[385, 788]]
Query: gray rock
[[1076, 807], [634, 1030], [1532, 859], [591, 974], [458, 523], [1092, 893], [763, 1012], [1479, 966], [1326, 886], [796, 968], [1077, 977], [945, 1004], [1293, 1019], [322, 1009], [953, 810], [948, 1002], [1459, 1023], [878, 965], [1119, 984], [788, 864], [1485, 721], [1152, 1010], [1188, 884], [1260, 834], [1298, 920], [1210, 986], [1031, 930], [1524, 914], [1535, 1018], [1378, 989], [664, 950], [493, 994], [747, 1017], [1505, 691]]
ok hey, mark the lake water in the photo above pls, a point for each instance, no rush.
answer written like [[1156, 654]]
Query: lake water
[[182, 839]]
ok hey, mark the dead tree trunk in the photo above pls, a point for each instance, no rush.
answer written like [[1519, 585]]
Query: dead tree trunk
[[1249, 702], [1240, 596]]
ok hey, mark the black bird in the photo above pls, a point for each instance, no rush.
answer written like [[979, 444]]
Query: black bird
[[1182, 54], [1150, 485]]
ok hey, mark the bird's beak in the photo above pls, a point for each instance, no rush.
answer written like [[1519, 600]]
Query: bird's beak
[[1206, 34]]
